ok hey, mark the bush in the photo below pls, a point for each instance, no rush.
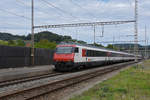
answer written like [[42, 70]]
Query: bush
[[45, 44]]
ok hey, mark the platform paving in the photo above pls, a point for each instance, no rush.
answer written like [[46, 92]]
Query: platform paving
[[24, 72]]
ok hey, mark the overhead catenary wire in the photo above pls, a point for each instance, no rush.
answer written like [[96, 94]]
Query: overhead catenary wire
[[61, 10], [38, 9], [59, 7], [21, 2], [130, 3], [76, 4], [15, 14]]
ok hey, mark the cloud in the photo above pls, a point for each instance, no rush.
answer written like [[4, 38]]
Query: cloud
[[74, 11]]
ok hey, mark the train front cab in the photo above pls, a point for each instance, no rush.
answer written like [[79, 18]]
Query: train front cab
[[64, 57]]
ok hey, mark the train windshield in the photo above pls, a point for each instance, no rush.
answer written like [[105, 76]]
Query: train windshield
[[62, 50]]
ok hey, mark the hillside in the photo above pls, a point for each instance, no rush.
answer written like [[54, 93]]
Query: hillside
[[52, 37], [9, 36]]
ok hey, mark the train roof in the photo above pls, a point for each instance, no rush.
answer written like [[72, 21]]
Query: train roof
[[91, 47]]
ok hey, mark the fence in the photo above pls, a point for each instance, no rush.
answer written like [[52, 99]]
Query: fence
[[21, 56]]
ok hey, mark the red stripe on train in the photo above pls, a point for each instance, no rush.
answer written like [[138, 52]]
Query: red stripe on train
[[66, 45], [64, 57]]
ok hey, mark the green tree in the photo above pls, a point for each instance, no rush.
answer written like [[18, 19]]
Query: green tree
[[98, 45], [20, 43], [3, 42], [11, 43], [81, 42], [110, 46], [45, 44]]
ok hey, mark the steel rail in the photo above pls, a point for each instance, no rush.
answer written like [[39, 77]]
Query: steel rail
[[32, 92], [16, 81]]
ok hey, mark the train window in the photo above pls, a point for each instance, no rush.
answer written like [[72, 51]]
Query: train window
[[76, 50], [117, 55], [88, 53], [101, 54], [113, 55], [63, 50], [104, 53], [92, 53], [95, 53]]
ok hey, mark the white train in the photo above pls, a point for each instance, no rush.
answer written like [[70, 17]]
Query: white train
[[71, 56]]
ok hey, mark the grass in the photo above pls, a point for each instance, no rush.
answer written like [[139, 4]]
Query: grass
[[131, 84]]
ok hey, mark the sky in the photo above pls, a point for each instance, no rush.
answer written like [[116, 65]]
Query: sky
[[15, 18]]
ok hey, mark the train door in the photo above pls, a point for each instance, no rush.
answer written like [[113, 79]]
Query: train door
[[108, 56], [84, 57], [77, 56]]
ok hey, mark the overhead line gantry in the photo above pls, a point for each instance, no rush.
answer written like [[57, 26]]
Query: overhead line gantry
[[85, 24]]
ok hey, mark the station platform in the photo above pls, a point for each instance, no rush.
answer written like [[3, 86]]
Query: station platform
[[24, 72]]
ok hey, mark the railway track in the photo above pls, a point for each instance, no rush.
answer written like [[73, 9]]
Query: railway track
[[58, 82], [16, 81]]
